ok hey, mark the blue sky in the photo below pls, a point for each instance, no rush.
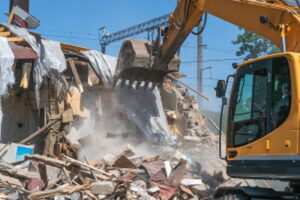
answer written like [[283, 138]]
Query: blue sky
[[77, 22]]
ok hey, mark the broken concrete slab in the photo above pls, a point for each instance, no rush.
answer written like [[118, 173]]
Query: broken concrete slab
[[15, 152], [102, 188]]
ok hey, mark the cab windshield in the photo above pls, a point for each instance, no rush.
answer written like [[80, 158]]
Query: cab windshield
[[261, 100]]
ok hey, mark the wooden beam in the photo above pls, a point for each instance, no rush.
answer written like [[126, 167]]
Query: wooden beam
[[11, 15], [186, 85], [38, 132], [214, 124], [69, 47], [26, 75], [15, 39], [5, 34], [60, 191], [81, 164], [48, 161], [75, 74]]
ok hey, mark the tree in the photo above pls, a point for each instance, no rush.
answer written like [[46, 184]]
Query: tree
[[253, 46]]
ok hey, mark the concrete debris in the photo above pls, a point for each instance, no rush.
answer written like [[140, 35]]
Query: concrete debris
[[188, 182], [102, 188], [123, 182]]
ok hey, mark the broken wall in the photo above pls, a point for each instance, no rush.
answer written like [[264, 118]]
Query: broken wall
[[21, 115]]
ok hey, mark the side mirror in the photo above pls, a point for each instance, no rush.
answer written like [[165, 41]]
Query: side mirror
[[220, 89]]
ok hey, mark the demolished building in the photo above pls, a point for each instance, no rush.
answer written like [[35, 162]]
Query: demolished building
[[50, 90]]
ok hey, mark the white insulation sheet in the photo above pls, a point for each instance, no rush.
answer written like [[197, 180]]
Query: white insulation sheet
[[7, 77], [104, 65], [51, 60], [7, 59]]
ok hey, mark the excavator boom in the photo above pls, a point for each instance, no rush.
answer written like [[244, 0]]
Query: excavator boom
[[273, 19]]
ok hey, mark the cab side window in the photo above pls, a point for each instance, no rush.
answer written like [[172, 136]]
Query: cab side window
[[281, 90]]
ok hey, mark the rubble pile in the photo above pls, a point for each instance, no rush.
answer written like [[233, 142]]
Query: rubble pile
[[127, 176], [182, 113], [197, 144], [190, 169], [61, 119]]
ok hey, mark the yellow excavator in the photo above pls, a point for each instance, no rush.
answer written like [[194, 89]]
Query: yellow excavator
[[262, 137]]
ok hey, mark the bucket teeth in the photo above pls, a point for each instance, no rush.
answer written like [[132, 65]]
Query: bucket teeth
[[123, 83], [146, 85], [135, 62], [153, 86], [138, 84], [130, 84], [115, 82]]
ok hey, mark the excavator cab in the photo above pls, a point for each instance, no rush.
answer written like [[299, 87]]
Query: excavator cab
[[263, 119]]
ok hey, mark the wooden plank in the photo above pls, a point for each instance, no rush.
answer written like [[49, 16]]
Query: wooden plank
[[215, 125], [26, 75], [186, 85], [38, 132], [69, 47], [48, 161], [5, 34], [61, 191], [11, 15], [15, 39], [75, 74], [81, 164], [92, 172]]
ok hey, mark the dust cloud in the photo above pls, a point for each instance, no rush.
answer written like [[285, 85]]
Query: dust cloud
[[106, 130]]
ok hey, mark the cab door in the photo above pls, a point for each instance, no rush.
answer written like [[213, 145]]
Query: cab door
[[249, 110]]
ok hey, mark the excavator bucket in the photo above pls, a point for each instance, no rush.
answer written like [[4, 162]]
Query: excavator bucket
[[135, 66]]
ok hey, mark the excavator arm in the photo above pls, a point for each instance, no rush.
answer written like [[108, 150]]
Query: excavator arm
[[273, 19]]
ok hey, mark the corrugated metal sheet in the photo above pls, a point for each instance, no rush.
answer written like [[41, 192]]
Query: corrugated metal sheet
[[22, 52]]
